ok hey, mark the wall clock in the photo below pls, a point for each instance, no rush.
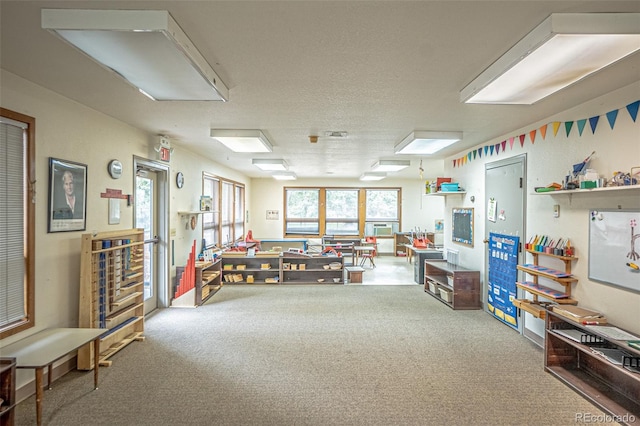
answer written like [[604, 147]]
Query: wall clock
[[180, 180], [115, 169]]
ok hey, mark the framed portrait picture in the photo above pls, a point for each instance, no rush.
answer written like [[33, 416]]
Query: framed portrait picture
[[67, 196]]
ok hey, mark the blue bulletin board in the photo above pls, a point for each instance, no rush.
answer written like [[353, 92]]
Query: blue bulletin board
[[503, 274]]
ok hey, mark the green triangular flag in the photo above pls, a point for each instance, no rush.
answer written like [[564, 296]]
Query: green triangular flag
[[568, 125], [581, 124]]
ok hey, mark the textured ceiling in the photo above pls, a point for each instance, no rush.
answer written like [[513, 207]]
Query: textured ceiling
[[378, 70]]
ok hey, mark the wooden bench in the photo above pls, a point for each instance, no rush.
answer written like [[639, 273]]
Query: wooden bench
[[42, 349]]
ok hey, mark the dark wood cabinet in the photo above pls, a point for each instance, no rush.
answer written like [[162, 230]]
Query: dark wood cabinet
[[455, 286], [7, 391], [574, 355]]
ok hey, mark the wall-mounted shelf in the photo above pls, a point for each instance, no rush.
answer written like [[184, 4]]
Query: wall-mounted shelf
[[585, 191], [536, 307], [445, 194]]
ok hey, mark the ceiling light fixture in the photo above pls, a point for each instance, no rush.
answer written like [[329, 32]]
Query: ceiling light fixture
[[242, 140], [390, 165], [145, 47], [373, 176], [426, 142], [562, 50], [270, 165], [284, 176]]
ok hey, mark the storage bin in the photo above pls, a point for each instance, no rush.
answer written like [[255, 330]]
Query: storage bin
[[433, 287], [450, 280], [449, 187], [445, 294]]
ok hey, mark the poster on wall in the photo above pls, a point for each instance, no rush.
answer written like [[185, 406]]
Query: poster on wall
[[503, 274], [67, 196], [614, 248]]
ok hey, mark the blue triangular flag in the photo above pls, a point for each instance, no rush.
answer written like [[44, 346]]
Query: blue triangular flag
[[480, 152], [611, 116], [633, 110], [486, 149], [491, 148], [593, 122]]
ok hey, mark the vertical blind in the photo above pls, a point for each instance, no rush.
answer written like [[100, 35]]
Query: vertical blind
[[12, 221]]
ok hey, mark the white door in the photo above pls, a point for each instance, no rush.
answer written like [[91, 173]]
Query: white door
[[150, 215], [505, 184]]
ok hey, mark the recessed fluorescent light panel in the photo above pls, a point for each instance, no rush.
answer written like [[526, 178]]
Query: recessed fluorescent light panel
[[562, 50], [373, 176], [242, 140], [145, 47], [390, 165], [426, 142], [270, 165], [284, 176]]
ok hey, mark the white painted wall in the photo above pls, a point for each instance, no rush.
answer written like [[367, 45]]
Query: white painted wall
[[548, 161]]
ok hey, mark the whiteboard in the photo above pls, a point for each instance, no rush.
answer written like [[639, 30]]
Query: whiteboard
[[614, 248]]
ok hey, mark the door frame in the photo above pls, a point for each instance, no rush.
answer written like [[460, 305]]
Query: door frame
[[522, 160], [162, 170]]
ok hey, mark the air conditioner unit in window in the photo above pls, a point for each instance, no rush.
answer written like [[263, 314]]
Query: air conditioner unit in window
[[382, 230]]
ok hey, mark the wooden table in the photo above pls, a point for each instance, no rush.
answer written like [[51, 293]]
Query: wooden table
[[42, 349]]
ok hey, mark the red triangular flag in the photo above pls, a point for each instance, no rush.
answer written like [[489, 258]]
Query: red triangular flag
[[522, 140], [504, 144], [511, 140]]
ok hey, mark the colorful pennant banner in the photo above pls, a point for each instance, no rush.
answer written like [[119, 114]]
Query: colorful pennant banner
[[612, 116]]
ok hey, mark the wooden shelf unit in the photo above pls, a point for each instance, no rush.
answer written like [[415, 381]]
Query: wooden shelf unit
[[464, 288], [208, 280], [7, 391], [535, 306], [612, 388], [242, 266], [399, 240], [285, 269], [315, 268], [111, 291]]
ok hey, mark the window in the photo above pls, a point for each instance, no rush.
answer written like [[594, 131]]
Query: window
[[382, 212], [342, 211], [302, 211], [17, 222], [226, 224], [211, 221]]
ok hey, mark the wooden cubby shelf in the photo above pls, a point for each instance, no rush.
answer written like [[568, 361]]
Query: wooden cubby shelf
[[453, 285], [612, 388], [208, 280], [535, 306], [111, 291]]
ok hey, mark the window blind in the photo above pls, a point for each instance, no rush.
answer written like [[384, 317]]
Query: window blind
[[12, 221]]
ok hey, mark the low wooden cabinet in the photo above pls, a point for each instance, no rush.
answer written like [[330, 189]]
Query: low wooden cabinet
[[7, 391], [577, 361], [285, 269], [453, 285], [111, 291], [312, 270]]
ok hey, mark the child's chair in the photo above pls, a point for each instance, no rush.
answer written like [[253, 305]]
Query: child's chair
[[370, 254]]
